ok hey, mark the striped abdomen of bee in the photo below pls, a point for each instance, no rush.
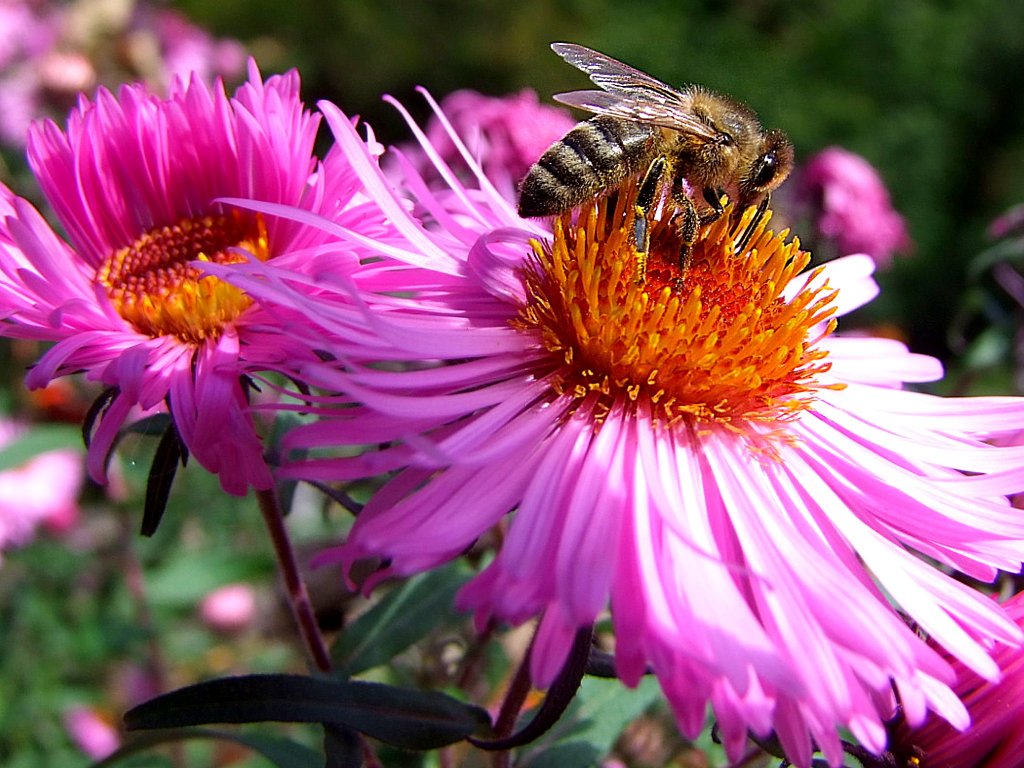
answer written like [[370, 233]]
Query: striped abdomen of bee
[[595, 156]]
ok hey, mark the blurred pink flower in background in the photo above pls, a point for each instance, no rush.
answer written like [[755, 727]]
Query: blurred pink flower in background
[[20, 104], [850, 205], [718, 498], [229, 608], [1009, 224], [91, 732], [505, 134], [41, 492], [27, 29], [134, 683], [68, 73], [187, 48], [28, 32], [48, 55], [995, 738]]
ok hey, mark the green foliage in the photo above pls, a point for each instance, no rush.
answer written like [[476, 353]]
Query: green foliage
[[281, 753], [588, 730], [41, 438], [82, 617], [403, 617]]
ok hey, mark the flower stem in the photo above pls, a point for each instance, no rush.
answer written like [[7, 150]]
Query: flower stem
[[518, 689], [295, 587]]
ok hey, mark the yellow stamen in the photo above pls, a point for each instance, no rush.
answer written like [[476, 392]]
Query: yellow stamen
[[714, 342], [154, 287]]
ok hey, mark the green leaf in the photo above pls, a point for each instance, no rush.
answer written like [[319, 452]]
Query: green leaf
[[988, 349], [591, 726], [402, 617], [406, 718], [281, 752], [40, 439]]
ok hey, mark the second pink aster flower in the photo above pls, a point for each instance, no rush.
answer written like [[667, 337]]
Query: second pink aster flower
[[135, 182], [505, 134], [851, 206], [696, 450], [995, 738]]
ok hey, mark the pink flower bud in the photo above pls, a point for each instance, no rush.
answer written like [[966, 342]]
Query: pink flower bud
[[91, 732], [230, 608]]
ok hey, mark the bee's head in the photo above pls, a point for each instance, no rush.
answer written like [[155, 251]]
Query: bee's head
[[770, 168]]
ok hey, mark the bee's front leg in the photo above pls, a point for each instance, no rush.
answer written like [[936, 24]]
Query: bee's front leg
[[687, 220], [762, 207], [714, 198], [687, 223]]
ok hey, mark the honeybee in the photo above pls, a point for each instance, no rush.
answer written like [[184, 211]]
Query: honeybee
[[692, 145]]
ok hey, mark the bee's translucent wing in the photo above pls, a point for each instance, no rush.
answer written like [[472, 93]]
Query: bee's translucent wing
[[629, 93], [611, 74], [667, 115]]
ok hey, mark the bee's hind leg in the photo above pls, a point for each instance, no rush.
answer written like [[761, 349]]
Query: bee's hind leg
[[646, 197]]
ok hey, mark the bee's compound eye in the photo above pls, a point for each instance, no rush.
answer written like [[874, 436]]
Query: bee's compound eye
[[767, 168], [772, 166]]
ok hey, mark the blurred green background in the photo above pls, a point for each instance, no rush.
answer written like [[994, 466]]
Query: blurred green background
[[930, 92]]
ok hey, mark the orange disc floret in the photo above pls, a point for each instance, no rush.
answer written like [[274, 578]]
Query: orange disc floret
[[716, 340], [155, 287]]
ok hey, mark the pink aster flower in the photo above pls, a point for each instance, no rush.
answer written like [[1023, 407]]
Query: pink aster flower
[[692, 448], [135, 182], [995, 738], [851, 205]]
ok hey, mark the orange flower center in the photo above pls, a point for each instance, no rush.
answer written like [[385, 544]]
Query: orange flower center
[[153, 285], [715, 341]]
